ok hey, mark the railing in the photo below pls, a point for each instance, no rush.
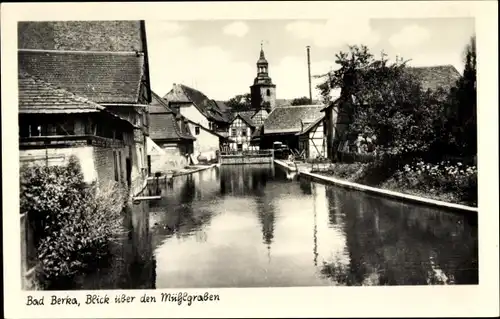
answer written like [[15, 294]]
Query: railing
[[247, 153]]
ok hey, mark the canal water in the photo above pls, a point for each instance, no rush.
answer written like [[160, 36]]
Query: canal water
[[257, 226]]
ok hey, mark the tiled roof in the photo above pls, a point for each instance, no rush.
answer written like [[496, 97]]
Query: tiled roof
[[165, 124], [103, 77], [36, 96], [433, 77], [181, 93], [308, 127], [223, 107], [246, 116], [158, 105], [287, 119]]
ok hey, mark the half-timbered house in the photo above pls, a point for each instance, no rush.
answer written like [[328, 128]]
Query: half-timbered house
[[240, 131], [284, 124]]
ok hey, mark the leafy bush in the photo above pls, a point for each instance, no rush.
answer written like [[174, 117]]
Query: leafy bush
[[73, 221], [346, 171], [458, 180]]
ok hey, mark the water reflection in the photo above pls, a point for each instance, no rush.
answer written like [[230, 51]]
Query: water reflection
[[253, 226], [392, 243]]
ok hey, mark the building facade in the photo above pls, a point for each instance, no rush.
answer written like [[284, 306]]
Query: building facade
[[105, 62], [55, 124], [312, 140], [284, 124], [171, 134], [241, 130], [207, 122]]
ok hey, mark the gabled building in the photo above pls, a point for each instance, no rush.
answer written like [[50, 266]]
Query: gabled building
[[55, 124], [103, 61], [170, 132], [241, 130], [338, 113], [208, 123], [286, 124]]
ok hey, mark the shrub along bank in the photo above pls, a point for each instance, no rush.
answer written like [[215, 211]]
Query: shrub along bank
[[452, 182], [73, 222]]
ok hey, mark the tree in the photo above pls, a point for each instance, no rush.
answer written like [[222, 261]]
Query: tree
[[384, 100], [462, 106], [301, 101], [241, 102]]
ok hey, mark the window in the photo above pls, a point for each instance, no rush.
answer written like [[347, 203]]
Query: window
[[240, 147], [197, 130], [233, 132], [244, 132], [268, 92]]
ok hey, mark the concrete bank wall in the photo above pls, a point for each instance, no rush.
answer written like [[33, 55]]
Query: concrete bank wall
[[388, 193]]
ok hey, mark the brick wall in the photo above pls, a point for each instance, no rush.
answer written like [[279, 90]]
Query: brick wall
[[80, 35]]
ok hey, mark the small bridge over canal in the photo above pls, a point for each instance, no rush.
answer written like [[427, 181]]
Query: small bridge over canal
[[246, 157]]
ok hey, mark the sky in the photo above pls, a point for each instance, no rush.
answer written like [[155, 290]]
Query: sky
[[218, 57]]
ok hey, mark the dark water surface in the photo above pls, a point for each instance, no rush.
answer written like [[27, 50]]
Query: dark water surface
[[254, 226]]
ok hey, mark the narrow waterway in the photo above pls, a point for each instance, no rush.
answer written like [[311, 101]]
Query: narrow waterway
[[257, 226]]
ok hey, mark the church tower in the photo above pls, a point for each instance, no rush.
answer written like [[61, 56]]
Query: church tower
[[263, 91]]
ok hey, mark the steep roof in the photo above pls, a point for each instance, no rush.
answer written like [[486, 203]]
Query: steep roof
[[158, 105], [434, 77], [246, 116], [104, 77], [181, 93], [308, 127], [165, 124], [37, 96], [222, 106], [290, 119]]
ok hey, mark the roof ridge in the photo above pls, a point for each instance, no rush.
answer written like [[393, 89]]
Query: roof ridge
[[128, 53]]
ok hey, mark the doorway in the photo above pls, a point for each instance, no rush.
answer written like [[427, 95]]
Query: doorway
[[128, 165]]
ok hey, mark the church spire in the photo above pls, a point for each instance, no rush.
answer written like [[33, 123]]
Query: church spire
[[262, 57]]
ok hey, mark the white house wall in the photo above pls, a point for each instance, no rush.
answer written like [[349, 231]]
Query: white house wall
[[206, 143], [317, 142], [193, 114]]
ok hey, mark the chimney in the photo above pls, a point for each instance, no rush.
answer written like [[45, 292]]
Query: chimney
[[309, 73]]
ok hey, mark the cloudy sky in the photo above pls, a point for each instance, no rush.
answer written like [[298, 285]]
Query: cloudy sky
[[218, 57]]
